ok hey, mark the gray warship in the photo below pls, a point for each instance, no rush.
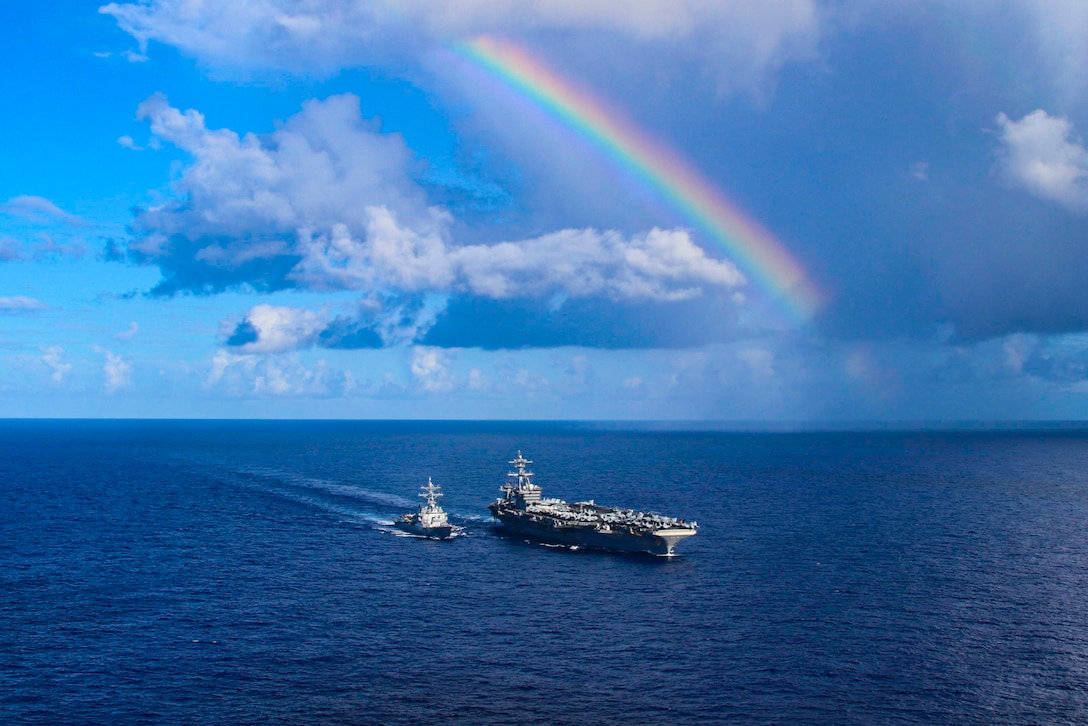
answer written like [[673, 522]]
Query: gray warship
[[430, 520], [522, 510]]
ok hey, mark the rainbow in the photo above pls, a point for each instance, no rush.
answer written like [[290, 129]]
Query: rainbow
[[752, 247]]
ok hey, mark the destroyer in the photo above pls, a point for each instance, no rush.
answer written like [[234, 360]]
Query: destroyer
[[430, 520], [522, 510]]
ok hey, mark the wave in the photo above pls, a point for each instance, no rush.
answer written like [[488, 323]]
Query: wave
[[333, 487]]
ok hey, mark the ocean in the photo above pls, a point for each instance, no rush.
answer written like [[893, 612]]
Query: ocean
[[227, 572]]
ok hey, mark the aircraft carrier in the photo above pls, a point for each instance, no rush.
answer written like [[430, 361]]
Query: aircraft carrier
[[522, 510]]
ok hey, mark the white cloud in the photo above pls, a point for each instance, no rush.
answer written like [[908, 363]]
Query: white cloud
[[117, 370], [742, 37], [477, 380], [129, 333], [1018, 348], [430, 369], [324, 165], [659, 265], [260, 375], [21, 304], [277, 329], [129, 143], [330, 192], [383, 253], [1041, 155], [53, 358], [37, 209]]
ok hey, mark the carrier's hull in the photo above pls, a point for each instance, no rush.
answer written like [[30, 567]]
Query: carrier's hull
[[444, 531], [617, 539]]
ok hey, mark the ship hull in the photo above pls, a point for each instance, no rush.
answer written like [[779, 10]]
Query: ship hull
[[441, 532], [547, 530]]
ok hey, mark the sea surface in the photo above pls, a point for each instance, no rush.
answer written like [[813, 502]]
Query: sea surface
[[165, 572]]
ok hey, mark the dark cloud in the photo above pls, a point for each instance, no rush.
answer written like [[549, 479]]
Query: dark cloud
[[829, 163], [186, 270], [1059, 363], [510, 324], [112, 250], [346, 332], [243, 334]]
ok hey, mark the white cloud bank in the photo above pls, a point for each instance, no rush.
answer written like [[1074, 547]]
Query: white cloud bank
[[658, 265], [744, 37], [271, 375], [329, 203], [1041, 155]]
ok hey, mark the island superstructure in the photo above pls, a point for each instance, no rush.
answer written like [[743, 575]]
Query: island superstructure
[[524, 511], [430, 520]]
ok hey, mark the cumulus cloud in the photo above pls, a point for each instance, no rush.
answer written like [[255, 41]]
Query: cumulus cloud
[[662, 265], [326, 159], [430, 369], [327, 202], [129, 143], [21, 304], [276, 329], [244, 201], [117, 370], [738, 36], [1041, 155], [271, 375], [53, 358]]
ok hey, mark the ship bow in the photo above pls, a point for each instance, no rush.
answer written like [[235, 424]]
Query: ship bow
[[667, 538]]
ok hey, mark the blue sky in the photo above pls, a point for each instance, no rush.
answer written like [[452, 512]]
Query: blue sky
[[280, 208]]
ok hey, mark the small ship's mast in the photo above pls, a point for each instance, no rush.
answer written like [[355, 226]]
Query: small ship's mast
[[430, 493]]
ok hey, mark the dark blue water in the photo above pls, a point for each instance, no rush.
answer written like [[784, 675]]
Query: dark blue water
[[227, 572]]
